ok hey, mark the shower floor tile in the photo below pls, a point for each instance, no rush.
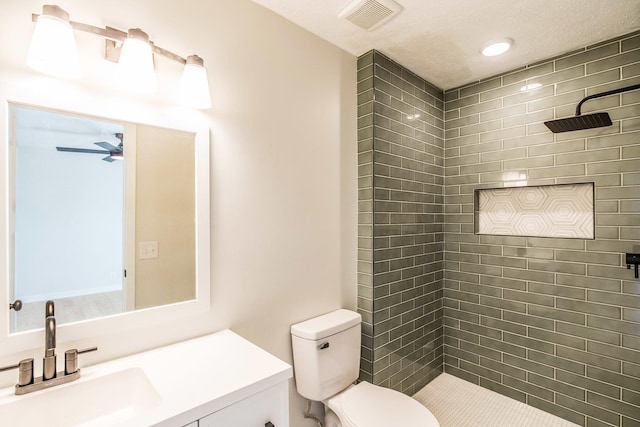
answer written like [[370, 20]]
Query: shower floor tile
[[459, 403]]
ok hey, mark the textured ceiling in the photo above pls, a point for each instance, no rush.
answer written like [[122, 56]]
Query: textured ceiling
[[440, 39]]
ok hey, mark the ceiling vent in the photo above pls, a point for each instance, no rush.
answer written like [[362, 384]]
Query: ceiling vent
[[370, 14]]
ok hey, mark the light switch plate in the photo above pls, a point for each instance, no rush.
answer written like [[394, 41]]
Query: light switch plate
[[148, 250]]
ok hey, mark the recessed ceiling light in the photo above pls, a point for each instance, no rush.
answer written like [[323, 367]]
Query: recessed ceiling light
[[496, 47]]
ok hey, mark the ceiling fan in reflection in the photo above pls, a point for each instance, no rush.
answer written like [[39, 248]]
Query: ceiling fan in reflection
[[113, 152]]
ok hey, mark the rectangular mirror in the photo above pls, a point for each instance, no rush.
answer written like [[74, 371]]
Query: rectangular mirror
[[102, 217]]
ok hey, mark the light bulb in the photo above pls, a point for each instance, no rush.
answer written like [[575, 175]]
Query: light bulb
[[194, 86], [53, 47]]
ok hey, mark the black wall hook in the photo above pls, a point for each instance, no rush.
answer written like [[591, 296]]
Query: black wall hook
[[635, 260]]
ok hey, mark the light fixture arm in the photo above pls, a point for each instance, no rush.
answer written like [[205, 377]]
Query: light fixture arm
[[115, 37]]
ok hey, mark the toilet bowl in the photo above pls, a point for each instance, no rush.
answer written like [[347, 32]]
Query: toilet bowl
[[369, 405], [326, 360]]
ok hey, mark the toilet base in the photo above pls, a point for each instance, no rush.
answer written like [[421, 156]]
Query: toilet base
[[331, 419]]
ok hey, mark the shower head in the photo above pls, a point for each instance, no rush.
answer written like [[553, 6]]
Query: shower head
[[587, 121]]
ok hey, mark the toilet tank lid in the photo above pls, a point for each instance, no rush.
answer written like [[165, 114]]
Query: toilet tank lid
[[328, 324]]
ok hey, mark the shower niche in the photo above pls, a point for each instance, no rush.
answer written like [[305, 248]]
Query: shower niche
[[558, 211]]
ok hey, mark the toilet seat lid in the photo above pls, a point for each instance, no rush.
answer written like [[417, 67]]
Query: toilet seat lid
[[367, 405]]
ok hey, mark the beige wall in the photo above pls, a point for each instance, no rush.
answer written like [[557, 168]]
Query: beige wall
[[283, 159], [164, 213]]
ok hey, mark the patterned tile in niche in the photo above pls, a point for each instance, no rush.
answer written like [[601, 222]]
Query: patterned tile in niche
[[560, 211]]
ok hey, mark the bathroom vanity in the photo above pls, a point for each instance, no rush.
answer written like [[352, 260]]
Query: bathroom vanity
[[216, 380]]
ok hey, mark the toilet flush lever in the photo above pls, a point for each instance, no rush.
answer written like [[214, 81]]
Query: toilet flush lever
[[633, 259], [323, 346]]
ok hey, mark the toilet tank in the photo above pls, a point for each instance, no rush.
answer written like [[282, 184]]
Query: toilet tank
[[326, 353]]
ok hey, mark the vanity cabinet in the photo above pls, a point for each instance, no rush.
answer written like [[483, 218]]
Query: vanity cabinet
[[227, 382], [234, 383], [268, 406]]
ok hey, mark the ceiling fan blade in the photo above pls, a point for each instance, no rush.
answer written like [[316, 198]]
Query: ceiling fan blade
[[81, 150], [108, 146], [108, 159]]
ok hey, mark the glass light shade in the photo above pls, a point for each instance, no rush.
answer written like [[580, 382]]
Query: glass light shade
[[53, 47], [194, 87], [496, 47], [135, 70]]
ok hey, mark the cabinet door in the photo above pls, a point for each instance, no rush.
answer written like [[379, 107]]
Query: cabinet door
[[270, 405]]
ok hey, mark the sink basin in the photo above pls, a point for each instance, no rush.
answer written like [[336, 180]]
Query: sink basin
[[103, 400]]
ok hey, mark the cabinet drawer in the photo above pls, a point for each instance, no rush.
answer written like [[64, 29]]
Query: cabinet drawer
[[270, 405]]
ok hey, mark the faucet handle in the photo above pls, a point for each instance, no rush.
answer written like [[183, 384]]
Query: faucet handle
[[25, 371], [87, 350], [71, 359]]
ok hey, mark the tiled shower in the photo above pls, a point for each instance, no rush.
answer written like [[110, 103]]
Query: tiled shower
[[552, 322], [400, 230]]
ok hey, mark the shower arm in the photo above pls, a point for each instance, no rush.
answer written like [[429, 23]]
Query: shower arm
[[607, 93]]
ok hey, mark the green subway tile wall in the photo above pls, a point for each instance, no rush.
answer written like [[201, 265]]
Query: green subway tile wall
[[401, 239], [551, 322]]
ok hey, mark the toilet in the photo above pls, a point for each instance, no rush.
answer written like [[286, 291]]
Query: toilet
[[326, 360]]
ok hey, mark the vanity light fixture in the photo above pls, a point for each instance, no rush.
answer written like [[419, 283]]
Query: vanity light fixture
[[135, 66], [53, 47], [53, 52], [194, 86], [496, 47]]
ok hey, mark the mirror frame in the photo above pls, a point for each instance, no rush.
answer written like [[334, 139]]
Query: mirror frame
[[135, 111]]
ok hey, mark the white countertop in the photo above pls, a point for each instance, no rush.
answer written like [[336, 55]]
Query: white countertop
[[192, 379]]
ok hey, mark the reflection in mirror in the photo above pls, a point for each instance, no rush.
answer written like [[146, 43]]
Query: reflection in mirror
[[102, 217]]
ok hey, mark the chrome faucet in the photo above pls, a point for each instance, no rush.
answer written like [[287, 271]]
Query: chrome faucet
[[26, 382], [49, 360]]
